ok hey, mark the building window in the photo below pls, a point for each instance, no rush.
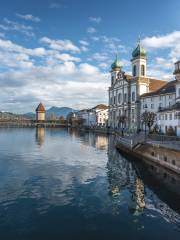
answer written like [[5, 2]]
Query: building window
[[152, 106], [133, 96], [160, 98], [142, 70], [112, 80], [114, 100], [134, 70], [119, 97], [170, 116], [125, 97]]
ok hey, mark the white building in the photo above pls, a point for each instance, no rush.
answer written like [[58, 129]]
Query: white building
[[97, 116], [168, 117], [102, 114]]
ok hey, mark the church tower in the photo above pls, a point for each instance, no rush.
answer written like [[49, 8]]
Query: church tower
[[139, 61], [141, 83], [115, 69]]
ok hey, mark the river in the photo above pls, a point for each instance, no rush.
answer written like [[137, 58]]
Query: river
[[65, 184]]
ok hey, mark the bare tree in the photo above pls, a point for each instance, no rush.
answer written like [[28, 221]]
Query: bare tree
[[148, 118]]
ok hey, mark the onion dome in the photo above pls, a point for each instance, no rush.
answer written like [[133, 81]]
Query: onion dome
[[139, 51], [40, 108], [116, 64]]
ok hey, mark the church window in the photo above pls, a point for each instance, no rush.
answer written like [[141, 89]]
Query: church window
[[134, 70], [125, 97], [112, 80], [119, 97], [142, 70], [133, 96]]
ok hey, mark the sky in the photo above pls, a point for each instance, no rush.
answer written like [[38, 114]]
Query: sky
[[59, 52]]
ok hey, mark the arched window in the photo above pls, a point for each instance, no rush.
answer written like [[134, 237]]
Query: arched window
[[134, 70], [119, 97], [112, 80], [133, 96], [142, 70]]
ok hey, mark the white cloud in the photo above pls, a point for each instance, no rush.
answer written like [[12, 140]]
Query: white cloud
[[163, 41], [55, 5], [169, 42], [91, 30], [100, 57], [67, 58], [48, 75], [94, 38], [28, 17], [9, 25], [61, 45], [83, 42], [95, 19]]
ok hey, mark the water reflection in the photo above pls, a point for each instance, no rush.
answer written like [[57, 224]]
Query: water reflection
[[78, 183], [40, 135]]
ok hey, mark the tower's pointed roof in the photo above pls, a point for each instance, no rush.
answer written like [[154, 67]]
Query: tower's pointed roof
[[139, 51], [40, 108], [116, 64]]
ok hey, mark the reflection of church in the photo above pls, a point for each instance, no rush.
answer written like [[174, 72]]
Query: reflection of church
[[123, 176]]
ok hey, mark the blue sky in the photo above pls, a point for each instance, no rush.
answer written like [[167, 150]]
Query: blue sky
[[60, 52]]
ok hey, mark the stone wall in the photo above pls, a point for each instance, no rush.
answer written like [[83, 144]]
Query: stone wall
[[165, 157]]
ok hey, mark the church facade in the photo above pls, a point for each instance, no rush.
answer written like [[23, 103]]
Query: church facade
[[126, 90]]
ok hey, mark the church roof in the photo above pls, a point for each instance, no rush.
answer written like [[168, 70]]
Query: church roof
[[168, 87], [116, 64], [139, 51], [155, 84], [40, 108]]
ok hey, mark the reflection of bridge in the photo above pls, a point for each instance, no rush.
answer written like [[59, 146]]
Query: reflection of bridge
[[31, 123]]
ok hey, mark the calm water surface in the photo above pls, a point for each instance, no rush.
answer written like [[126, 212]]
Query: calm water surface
[[60, 184]]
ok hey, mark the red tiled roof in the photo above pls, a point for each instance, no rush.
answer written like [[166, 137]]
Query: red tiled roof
[[155, 84], [40, 108], [169, 87]]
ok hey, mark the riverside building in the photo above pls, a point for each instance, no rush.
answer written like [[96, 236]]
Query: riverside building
[[131, 95]]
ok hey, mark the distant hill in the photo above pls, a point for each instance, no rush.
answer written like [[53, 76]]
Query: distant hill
[[30, 115], [12, 116], [53, 112], [59, 111]]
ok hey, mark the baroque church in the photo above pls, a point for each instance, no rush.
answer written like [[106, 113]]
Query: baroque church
[[126, 90], [131, 95]]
